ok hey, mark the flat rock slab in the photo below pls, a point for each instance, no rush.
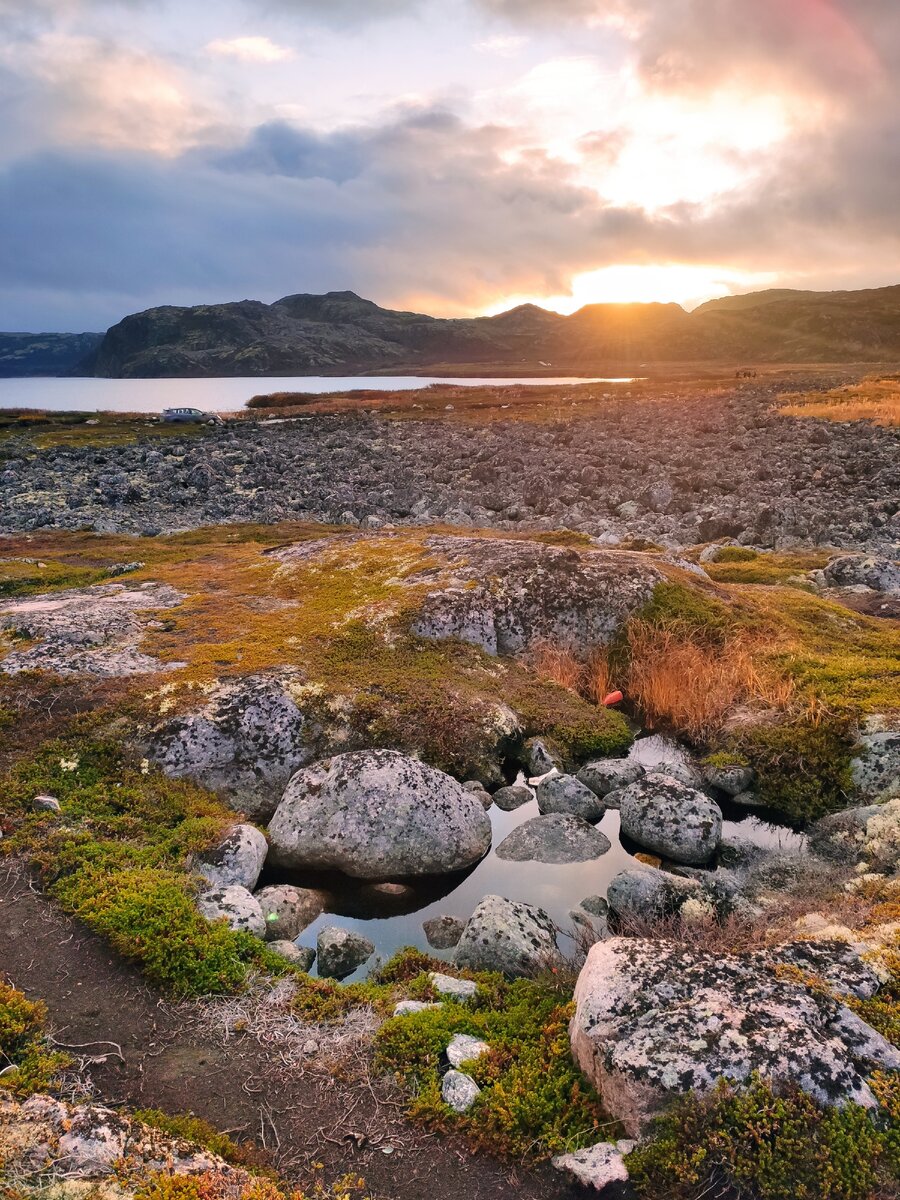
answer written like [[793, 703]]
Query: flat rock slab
[[554, 838], [503, 594], [87, 631], [654, 1020]]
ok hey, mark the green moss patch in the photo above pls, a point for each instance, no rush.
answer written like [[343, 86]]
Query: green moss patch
[[28, 1064]]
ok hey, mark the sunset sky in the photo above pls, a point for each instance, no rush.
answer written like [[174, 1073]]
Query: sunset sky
[[451, 156]]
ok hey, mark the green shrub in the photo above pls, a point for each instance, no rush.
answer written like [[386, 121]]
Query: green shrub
[[763, 1144], [534, 1101], [26, 1061]]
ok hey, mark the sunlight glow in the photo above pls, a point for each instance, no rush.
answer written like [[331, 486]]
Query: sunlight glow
[[679, 283]]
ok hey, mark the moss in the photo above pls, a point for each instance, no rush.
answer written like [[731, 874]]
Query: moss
[[22, 578], [802, 768], [534, 1102], [27, 1063], [197, 1131], [690, 608], [115, 857], [736, 554], [722, 760], [766, 1144]]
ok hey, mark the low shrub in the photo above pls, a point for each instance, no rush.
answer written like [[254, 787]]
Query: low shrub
[[802, 768], [760, 1143], [27, 1062]]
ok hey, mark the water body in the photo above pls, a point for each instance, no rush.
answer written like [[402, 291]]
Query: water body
[[218, 395], [392, 922]]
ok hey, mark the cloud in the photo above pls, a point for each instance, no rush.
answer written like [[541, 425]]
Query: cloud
[[504, 46], [249, 49]]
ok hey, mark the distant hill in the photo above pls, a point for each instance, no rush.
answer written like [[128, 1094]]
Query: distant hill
[[47, 353], [341, 333]]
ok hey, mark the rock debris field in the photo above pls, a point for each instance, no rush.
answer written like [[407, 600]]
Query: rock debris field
[[676, 470]]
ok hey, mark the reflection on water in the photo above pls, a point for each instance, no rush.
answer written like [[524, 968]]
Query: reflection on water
[[217, 395]]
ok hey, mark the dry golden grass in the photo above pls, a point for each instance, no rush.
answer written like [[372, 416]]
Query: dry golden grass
[[874, 399]]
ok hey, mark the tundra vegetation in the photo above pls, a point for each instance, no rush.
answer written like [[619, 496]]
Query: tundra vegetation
[[751, 663]]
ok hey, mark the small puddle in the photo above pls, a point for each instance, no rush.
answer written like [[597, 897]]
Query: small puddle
[[393, 921]]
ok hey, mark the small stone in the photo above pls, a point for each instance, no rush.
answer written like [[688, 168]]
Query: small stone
[[601, 1167], [566, 794], [237, 905], [310, 1046], [449, 985], [443, 932], [464, 1048], [302, 957], [605, 775], [459, 1091], [595, 905], [479, 791], [406, 1008], [731, 778], [288, 910], [45, 803], [540, 756], [510, 798]]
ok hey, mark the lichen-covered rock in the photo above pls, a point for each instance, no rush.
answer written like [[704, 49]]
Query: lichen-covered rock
[[443, 932], [459, 1091], [644, 893], [673, 820], [605, 775], [510, 798], [505, 594], [464, 1048], [301, 957], [540, 755], [508, 936], [731, 778], [451, 987], [237, 905], [853, 570], [377, 814], [876, 768], [654, 1020], [87, 631], [870, 835], [237, 860], [341, 951], [287, 910], [601, 1167], [245, 743], [554, 838], [566, 794]]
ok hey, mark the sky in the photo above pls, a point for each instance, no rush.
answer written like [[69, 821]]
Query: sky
[[450, 156]]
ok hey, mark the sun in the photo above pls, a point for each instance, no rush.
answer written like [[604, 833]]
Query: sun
[[686, 284]]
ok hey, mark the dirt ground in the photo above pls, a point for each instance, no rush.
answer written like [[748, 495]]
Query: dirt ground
[[169, 1060]]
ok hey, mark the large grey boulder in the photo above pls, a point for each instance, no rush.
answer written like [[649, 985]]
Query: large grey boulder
[[340, 952], [87, 631], [671, 819], [378, 814], [566, 794], [236, 905], [654, 1020], [869, 834], [503, 595], [237, 859], [554, 838], [854, 570], [245, 743], [508, 936], [605, 775], [287, 910]]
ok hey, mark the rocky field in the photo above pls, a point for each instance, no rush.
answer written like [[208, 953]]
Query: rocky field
[[676, 468], [596, 714]]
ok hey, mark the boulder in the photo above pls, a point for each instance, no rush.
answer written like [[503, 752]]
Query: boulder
[[876, 768], [510, 798], [508, 936], [540, 755], [604, 775], [853, 570], [595, 905], [555, 838], [643, 893], [731, 778], [566, 794], [245, 743], [459, 1091], [237, 860], [287, 910], [377, 814], [443, 932], [672, 820], [654, 1020], [341, 951], [870, 835], [504, 594], [237, 905]]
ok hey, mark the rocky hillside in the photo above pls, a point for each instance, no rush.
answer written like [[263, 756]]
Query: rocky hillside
[[46, 353], [341, 332]]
